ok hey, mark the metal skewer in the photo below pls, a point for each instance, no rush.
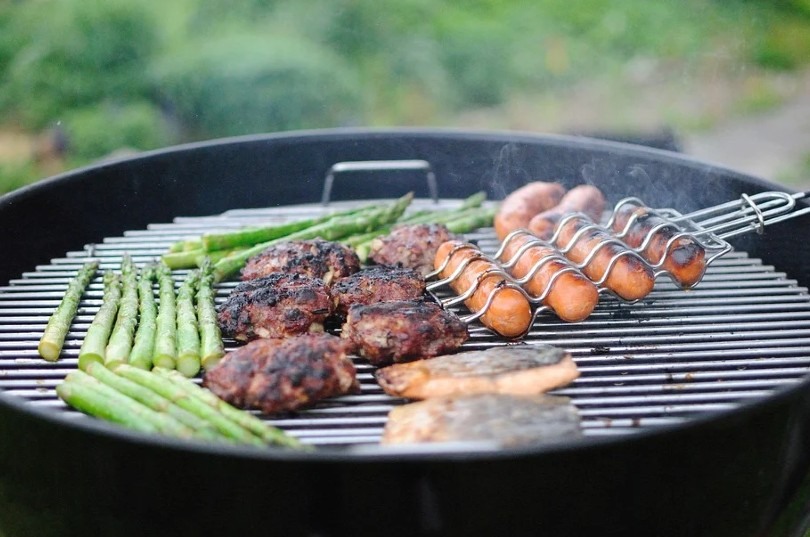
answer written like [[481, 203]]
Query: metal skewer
[[710, 227]]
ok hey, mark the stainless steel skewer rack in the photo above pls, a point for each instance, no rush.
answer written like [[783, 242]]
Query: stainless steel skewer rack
[[708, 227]]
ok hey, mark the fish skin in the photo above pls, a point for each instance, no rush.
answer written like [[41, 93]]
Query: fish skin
[[505, 420], [519, 370]]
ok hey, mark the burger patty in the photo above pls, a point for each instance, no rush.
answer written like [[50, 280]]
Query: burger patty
[[317, 258], [377, 284], [411, 246], [400, 331], [275, 306], [279, 375]]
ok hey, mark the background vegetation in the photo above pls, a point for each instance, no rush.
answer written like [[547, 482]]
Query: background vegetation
[[81, 79]]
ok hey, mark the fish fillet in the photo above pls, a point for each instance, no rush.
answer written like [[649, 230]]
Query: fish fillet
[[506, 420], [520, 370]]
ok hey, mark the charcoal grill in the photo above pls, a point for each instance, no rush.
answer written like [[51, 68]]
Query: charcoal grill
[[694, 403]]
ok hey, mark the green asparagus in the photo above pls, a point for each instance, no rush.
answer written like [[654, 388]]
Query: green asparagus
[[144, 345], [246, 237], [105, 402], [120, 342], [185, 245], [333, 229], [183, 259], [469, 204], [95, 340], [90, 401], [165, 354], [172, 391], [457, 221], [53, 338], [270, 434], [473, 220], [153, 400], [194, 258], [188, 336], [211, 346]]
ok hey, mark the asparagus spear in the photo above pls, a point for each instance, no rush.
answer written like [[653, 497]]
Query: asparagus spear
[[250, 236], [194, 258], [421, 217], [50, 344], [102, 401], [172, 391], [165, 352], [270, 434], [185, 245], [473, 220], [188, 336], [122, 333], [153, 400], [144, 345], [90, 401], [95, 340], [211, 346], [182, 260], [333, 229], [457, 221]]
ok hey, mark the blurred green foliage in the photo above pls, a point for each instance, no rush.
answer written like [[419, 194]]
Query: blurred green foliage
[[236, 84], [75, 53], [105, 127], [146, 74]]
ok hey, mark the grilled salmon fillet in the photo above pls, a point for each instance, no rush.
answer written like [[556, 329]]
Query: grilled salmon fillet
[[519, 370], [506, 420]]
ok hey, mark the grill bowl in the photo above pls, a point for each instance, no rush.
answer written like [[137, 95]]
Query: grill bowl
[[726, 473]]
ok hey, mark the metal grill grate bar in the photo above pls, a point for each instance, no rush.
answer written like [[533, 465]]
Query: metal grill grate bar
[[742, 334]]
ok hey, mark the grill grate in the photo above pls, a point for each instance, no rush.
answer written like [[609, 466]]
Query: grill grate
[[741, 334]]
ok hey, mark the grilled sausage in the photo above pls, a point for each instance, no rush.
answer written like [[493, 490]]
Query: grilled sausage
[[570, 295], [586, 199], [630, 277], [684, 259], [509, 314], [518, 208]]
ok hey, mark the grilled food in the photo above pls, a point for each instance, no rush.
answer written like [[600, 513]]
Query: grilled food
[[411, 246], [586, 199], [399, 331], [275, 306], [506, 420], [519, 207], [377, 284], [606, 260], [316, 258], [274, 375], [551, 277], [506, 309], [523, 370], [685, 257]]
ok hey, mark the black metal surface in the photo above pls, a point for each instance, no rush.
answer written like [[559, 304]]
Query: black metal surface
[[728, 473]]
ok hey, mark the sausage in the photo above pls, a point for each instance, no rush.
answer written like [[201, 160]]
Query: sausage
[[685, 259], [630, 277], [518, 208], [571, 295], [510, 313], [586, 199]]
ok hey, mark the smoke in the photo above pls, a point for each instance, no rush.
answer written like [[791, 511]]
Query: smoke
[[508, 171]]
